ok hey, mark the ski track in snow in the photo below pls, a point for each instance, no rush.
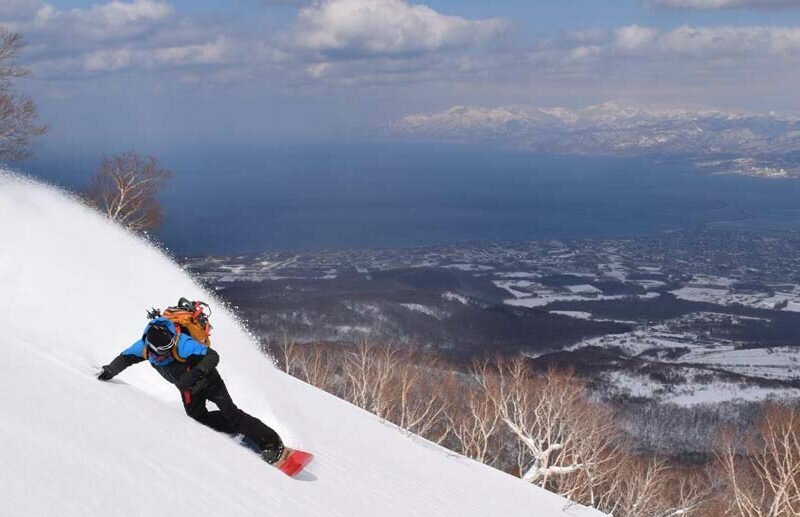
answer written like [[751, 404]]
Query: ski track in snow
[[75, 292]]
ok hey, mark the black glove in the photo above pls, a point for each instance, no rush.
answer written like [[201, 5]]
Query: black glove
[[189, 379], [105, 374]]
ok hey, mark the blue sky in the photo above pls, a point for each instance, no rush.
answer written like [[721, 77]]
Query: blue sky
[[135, 73], [534, 15]]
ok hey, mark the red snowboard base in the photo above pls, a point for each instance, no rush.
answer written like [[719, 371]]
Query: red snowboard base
[[294, 461]]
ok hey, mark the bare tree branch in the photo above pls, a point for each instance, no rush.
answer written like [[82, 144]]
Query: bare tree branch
[[18, 113], [763, 473], [124, 188]]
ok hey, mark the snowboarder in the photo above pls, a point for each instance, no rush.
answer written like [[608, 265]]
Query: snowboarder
[[192, 367]]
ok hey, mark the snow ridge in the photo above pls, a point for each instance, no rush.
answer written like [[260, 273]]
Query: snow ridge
[[72, 446]]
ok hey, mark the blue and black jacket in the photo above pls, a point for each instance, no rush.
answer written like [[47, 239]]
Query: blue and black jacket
[[185, 355]]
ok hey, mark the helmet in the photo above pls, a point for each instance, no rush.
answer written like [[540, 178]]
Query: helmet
[[160, 339]]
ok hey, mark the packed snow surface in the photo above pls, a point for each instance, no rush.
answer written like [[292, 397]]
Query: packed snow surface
[[75, 291]]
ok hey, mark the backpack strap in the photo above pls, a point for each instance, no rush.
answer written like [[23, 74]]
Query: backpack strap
[[176, 355]]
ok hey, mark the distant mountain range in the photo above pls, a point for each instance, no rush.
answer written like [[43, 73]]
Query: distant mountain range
[[722, 142]]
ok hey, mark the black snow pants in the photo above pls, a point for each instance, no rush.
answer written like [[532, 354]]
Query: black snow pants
[[229, 419]]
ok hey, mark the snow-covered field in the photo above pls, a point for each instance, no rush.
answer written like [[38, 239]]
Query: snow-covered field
[[75, 291], [424, 309], [455, 297], [469, 267], [583, 289], [712, 289], [582, 315], [691, 393], [770, 363], [547, 299], [531, 294], [699, 361], [510, 285]]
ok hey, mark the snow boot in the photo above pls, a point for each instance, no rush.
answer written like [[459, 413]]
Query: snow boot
[[274, 455]]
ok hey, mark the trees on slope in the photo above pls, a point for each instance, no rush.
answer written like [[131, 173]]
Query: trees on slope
[[543, 427], [570, 445], [384, 380], [762, 471], [540, 427]]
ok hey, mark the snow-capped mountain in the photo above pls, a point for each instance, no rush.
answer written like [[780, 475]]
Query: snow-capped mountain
[[75, 290], [723, 141]]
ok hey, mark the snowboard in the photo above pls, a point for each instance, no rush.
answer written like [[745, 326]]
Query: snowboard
[[293, 461]]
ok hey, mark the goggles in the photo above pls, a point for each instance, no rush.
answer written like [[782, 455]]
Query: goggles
[[162, 350]]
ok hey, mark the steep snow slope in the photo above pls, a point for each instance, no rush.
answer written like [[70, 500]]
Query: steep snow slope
[[74, 292]]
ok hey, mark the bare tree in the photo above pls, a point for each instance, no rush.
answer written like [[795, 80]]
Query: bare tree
[[569, 444], [18, 113], [764, 481], [368, 372], [540, 426], [419, 395], [385, 380], [650, 488], [124, 188], [317, 367], [474, 418], [286, 355]]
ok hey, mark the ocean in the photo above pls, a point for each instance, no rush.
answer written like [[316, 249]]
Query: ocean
[[229, 199]]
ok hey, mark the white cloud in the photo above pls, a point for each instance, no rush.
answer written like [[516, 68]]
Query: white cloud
[[698, 43], [381, 44], [213, 52], [634, 37], [710, 42], [745, 65], [723, 4], [357, 28], [585, 53], [116, 36], [113, 20]]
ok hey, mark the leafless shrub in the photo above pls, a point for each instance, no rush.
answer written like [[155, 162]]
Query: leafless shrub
[[124, 188], [18, 113]]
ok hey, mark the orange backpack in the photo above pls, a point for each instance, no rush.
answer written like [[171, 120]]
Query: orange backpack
[[191, 317]]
